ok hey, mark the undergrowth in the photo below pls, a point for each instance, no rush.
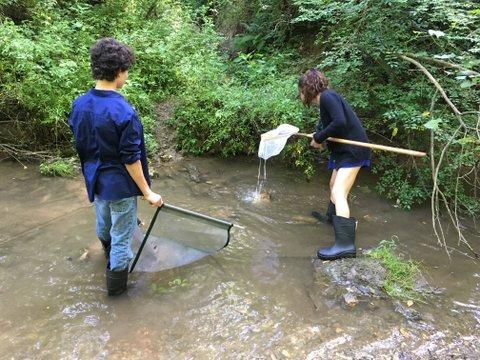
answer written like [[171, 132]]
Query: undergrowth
[[401, 273]]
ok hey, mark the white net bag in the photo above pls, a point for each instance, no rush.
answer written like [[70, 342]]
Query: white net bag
[[273, 141]]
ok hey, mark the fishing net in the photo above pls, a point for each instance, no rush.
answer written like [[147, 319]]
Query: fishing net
[[273, 141], [177, 237]]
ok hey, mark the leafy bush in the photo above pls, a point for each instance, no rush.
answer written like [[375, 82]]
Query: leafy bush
[[230, 89], [60, 167]]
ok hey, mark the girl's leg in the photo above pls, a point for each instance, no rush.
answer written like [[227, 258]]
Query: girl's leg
[[343, 182], [332, 182]]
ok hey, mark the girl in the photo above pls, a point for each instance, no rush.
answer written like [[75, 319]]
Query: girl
[[337, 119]]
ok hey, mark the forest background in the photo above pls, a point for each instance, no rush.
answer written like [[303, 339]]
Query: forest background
[[409, 68]]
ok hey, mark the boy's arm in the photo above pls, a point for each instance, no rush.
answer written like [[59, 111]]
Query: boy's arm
[[135, 170], [130, 154]]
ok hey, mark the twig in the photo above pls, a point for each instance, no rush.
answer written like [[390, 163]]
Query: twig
[[443, 63], [437, 195], [435, 82]]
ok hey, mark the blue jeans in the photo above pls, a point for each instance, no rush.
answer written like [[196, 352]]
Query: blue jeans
[[116, 221]]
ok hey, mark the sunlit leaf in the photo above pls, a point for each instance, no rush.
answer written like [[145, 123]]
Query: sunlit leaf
[[433, 124]]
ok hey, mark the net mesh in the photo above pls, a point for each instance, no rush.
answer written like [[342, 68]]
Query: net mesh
[[273, 141], [179, 237]]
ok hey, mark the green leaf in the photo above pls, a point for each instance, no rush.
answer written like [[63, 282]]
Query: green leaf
[[433, 124], [466, 84], [466, 140]]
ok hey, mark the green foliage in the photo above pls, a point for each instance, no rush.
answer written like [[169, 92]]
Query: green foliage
[[229, 89], [60, 167], [400, 273], [406, 185], [362, 40]]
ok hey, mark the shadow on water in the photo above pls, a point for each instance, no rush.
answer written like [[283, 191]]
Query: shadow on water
[[255, 299]]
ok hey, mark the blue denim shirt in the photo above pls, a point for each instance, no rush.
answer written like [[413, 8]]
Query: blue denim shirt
[[108, 134]]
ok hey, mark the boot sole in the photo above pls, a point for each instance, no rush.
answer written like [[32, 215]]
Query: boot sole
[[338, 256]]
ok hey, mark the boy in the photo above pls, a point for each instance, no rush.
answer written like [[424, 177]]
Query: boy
[[110, 144]]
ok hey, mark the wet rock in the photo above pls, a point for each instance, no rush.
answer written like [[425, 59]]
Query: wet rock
[[262, 197], [300, 219], [194, 174], [350, 299], [421, 285], [166, 157], [364, 276], [84, 255], [408, 313], [370, 218], [224, 213]]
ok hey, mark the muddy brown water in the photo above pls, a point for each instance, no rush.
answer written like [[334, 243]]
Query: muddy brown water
[[254, 300]]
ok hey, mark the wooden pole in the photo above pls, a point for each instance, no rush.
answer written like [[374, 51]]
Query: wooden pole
[[369, 145]]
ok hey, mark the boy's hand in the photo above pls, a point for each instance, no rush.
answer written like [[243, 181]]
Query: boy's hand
[[316, 145], [154, 199]]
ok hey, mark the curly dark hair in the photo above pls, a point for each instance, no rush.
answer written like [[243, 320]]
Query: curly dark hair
[[108, 57], [312, 83]]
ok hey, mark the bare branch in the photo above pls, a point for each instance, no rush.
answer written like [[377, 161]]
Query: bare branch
[[443, 63], [434, 81]]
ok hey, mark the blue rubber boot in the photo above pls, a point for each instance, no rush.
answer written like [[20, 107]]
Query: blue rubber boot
[[344, 246]]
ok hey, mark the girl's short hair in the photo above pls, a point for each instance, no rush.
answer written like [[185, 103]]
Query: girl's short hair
[[312, 83], [108, 57]]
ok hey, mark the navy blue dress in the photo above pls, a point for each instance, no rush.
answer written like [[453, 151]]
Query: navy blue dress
[[337, 119]]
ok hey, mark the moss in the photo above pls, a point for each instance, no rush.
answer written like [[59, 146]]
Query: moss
[[401, 273]]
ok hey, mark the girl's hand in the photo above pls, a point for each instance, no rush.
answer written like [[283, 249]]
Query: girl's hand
[[316, 145]]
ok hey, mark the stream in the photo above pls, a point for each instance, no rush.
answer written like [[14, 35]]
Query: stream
[[255, 299]]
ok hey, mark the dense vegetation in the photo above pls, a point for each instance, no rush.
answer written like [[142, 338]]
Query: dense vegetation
[[232, 66]]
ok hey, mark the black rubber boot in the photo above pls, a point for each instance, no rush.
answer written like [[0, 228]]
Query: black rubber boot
[[327, 218], [106, 249], [116, 281], [344, 240]]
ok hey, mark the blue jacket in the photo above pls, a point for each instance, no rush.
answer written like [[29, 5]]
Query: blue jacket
[[108, 134], [337, 119]]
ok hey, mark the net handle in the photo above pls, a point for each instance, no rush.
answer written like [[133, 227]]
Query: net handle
[[229, 225], [144, 241], [197, 215]]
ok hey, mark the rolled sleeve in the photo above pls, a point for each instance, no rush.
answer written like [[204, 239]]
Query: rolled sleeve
[[130, 141]]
